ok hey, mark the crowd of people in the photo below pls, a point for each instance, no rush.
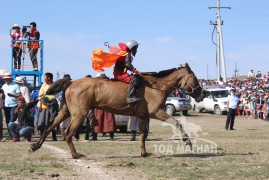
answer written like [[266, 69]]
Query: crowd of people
[[252, 91]]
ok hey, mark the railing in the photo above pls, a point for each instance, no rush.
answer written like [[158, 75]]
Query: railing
[[23, 54]]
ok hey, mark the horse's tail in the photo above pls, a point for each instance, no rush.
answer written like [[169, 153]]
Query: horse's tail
[[60, 85]]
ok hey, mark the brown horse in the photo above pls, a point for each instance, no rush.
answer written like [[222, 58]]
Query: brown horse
[[110, 95]]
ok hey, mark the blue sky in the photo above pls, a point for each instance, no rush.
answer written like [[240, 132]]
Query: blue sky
[[170, 33]]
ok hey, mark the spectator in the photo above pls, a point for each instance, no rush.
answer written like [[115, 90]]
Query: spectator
[[252, 100], [11, 93], [33, 49], [36, 112], [23, 125], [247, 109], [24, 90], [103, 121], [1, 116], [47, 105], [16, 52], [263, 79], [259, 75], [232, 104], [251, 74], [134, 127], [267, 108], [88, 131], [66, 122], [260, 102], [264, 108]]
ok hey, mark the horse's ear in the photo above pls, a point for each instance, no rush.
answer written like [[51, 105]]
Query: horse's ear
[[187, 67]]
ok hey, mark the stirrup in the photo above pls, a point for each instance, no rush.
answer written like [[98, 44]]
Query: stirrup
[[133, 100]]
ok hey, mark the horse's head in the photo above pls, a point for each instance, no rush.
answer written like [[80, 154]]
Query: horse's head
[[189, 83]]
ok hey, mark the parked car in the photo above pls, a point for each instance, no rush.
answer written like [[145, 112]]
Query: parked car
[[215, 100], [175, 104], [122, 122]]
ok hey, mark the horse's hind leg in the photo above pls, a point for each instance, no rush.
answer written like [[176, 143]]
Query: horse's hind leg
[[163, 116], [64, 113], [143, 129], [76, 122]]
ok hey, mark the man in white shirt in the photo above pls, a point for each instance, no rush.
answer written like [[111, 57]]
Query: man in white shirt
[[251, 74], [232, 104], [12, 92]]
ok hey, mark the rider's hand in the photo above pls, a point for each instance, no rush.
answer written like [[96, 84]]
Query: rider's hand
[[137, 72]]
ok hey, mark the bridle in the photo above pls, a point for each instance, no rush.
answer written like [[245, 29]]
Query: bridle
[[187, 84], [183, 88]]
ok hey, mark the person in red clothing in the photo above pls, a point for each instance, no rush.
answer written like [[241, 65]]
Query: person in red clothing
[[123, 64], [16, 35], [33, 48]]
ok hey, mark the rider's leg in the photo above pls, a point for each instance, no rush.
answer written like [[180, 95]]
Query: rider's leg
[[135, 80]]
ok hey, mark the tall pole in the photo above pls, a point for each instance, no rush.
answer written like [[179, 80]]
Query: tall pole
[[220, 47], [218, 56]]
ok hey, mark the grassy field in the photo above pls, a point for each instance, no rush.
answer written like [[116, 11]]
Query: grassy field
[[241, 154]]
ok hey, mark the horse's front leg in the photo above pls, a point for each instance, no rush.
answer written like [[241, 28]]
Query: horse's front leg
[[76, 122], [163, 116], [60, 118], [143, 130]]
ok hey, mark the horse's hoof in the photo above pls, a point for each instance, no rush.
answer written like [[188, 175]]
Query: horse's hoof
[[145, 154], [188, 143], [185, 138], [79, 156], [34, 147]]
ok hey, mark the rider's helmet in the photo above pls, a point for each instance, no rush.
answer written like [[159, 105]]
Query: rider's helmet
[[131, 44]]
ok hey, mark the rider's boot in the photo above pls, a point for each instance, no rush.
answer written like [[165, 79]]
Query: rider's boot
[[132, 89]]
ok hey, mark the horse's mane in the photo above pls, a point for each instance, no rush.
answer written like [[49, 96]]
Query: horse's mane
[[159, 74]]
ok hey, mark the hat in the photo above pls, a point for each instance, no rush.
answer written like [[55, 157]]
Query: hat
[[2, 72], [98, 75], [15, 26], [67, 76], [7, 76], [19, 80], [21, 99]]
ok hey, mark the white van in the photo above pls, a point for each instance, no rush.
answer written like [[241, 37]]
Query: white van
[[215, 100]]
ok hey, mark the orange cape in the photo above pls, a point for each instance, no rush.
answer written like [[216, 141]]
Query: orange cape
[[101, 60]]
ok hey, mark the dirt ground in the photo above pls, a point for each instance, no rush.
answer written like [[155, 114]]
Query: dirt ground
[[216, 154]]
